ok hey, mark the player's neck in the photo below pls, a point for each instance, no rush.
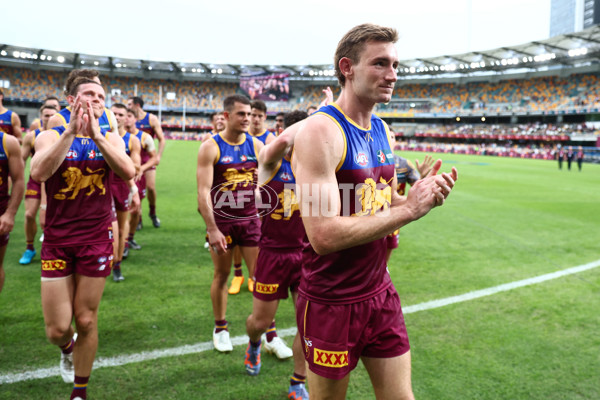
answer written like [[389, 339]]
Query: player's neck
[[122, 131], [141, 115], [3, 109], [255, 132], [357, 110], [233, 137]]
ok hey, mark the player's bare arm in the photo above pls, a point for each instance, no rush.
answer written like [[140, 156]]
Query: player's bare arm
[[274, 151], [135, 155], [204, 177], [27, 145], [278, 146], [319, 194], [16, 124], [135, 151], [16, 170], [155, 124]]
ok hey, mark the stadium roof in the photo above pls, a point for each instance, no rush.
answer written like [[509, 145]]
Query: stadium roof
[[575, 49]]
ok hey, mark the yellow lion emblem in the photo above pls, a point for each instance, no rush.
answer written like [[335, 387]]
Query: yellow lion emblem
[[373, 199], [242, 177], [77, 181]]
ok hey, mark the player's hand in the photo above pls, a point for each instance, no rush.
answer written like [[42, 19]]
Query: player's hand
[[328, 97], [6, 224], [424, 168], [76, 121], [91, 126], [136, 203], [217, 241]]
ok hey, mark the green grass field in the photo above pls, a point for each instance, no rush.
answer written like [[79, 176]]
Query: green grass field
[[507, 220]]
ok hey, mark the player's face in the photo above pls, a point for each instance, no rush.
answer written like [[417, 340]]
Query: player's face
[[132, 106], [279, 122], [258, 119], [95, 95], [47, 113], [53, 103], [238, 119], [219, 122], [374, 75], [130, 121], [120, 115]]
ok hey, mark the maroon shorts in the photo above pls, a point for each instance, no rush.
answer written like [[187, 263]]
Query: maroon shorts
[[34, 189], [141, 184], [277, 270], [336, 336], [93, 260], [245, 233], [120, 193], [392, 240]]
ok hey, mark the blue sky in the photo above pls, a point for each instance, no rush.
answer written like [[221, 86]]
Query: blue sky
[[269, 31]]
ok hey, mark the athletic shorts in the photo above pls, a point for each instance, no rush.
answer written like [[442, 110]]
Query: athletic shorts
[[277, 270], [120, 193], [93, 260], [336, 336], [245, 233], [392, 240], [34, 189], [141, 184]]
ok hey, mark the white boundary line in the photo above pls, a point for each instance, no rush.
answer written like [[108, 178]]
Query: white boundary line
[[242, 340]]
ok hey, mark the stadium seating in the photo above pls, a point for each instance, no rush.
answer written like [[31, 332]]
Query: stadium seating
[[550, 94]]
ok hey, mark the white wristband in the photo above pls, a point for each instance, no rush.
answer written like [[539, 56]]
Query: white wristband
[[133, 190]]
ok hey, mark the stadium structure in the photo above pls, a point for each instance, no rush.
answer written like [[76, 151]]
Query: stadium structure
[[538, 95]]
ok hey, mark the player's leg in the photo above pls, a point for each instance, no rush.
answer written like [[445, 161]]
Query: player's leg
[[218, 296], [257, 323], [322, 388], [238, 276], [134, 219], [2, 274], [297, 389], [122, 222], [88, 292], [391, 377], [57, 307], [151, 193], [263, 313], [249, 254], [43, 204], [32, 205]]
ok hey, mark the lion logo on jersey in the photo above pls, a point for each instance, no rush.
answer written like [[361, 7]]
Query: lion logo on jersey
[[77, 181], [243, 177], [372, 198]]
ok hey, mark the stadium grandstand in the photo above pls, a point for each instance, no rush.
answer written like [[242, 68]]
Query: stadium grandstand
[[521, 100]]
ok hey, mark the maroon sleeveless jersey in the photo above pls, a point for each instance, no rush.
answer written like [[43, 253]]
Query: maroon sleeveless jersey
[[282, 228], [364, 176], [232, 193], [79, 198]]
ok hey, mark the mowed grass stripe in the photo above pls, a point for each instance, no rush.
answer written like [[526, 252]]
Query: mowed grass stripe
[[243, 340]]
